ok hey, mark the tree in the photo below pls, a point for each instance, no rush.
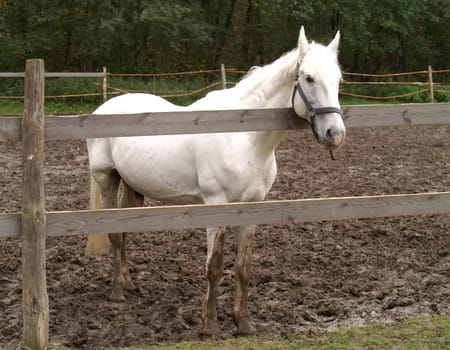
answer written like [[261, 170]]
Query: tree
[[158, 35]]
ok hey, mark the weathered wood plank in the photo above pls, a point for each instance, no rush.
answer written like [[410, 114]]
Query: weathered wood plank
[[35, 308], [55, 75], [74, 74], [86, 126], [164, 123], [193, 216], [10, 225], [270, 212], [10, 128], [393, 115], [12, 74]]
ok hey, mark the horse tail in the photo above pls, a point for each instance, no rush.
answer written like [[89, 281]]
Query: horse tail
[[97, 243]]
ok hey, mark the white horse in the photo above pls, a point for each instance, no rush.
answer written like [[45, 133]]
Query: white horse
[[218, 167]]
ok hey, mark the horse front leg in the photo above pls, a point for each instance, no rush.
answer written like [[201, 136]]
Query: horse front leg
[[214, 271], [244, 237]]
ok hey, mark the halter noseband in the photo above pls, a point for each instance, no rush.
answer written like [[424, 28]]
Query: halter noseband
[[313, 112]]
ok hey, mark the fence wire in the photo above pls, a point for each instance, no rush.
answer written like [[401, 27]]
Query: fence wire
[[115, 90]]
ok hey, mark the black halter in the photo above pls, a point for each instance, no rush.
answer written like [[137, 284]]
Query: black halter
[[312, 112]]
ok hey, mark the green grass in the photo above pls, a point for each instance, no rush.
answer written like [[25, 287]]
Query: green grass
[[11, 108], [87, 104], [422, 333], [425, 332]]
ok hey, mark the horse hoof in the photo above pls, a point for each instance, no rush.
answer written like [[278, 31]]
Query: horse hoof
[[245, 329], [129, 285], [117, 296], [209, 329]]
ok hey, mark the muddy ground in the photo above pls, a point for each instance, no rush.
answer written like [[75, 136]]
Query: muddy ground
[[306, 277]]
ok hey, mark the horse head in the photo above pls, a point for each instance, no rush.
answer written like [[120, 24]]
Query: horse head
[[315, 97]]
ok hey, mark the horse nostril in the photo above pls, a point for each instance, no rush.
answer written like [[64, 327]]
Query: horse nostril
[[329, 134], [334, 137]]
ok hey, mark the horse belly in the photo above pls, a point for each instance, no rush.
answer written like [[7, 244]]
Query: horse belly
[[159, 167]]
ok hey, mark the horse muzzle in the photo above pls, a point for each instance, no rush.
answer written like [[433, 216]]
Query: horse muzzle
[[333, 140], [328, 130]]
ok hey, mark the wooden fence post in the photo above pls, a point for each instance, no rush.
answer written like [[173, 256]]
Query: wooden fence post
[[223, 76], [35, 309], [430, 80]]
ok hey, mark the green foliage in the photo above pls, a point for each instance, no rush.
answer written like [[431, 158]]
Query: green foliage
[[161, 36], [154, 36]]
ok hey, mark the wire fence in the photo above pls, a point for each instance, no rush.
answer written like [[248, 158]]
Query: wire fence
[[351, 85], [387, 79]]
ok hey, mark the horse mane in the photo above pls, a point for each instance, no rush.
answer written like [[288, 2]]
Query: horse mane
[[261, 83], [318, 61], [284, 66]]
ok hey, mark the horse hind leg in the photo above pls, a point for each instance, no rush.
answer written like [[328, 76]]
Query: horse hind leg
[[121, 276], [104, 190], [98, 243], [244, 237], [214, 271]]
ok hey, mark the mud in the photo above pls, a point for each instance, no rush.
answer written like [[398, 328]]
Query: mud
[[306, 277]]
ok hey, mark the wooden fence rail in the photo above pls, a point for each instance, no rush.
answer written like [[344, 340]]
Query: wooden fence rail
[[182, 122], [35, 228], [71, 223]]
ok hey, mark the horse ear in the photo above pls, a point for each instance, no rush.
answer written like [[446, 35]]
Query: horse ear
[[303, 44], [334, 45]]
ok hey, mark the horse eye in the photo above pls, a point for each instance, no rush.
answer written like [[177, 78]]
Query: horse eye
[[309, 79]]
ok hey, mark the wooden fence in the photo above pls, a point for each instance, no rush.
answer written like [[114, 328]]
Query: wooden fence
[[34, 224]]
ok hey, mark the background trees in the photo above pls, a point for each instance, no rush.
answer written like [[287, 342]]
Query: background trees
[[162, 36]]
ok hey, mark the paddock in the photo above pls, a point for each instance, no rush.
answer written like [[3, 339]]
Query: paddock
[[311, 275]]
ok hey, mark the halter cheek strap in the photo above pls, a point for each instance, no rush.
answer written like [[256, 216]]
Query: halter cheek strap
[[312, 112]]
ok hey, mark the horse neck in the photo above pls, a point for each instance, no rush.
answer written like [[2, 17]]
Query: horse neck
[[271, 95], [270, 88]]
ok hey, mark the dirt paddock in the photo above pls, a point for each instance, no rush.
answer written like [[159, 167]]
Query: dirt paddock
[[310, 276]]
